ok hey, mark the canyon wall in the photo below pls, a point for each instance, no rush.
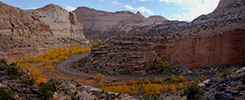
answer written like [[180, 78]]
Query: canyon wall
[[103, 25], [215, 38], [33, 32], [126, 55], [226, 48]]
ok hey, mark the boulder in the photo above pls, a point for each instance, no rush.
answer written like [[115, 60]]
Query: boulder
[[223, 96], [19, 90], [241, 70], [241, 88], [2, 73], [35, 91], [61, 96], [84, 96], [203, 83]]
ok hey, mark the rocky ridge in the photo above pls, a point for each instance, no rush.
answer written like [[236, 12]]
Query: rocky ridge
[[32, 32], [103, 25], [220, 43], [228, 15]]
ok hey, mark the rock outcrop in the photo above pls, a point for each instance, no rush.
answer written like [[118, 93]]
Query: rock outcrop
[[24, 89], [225, 87], [103, 25], [120, 56], [216, 38], [32, 32], [137, 55], [62, 23], [227, 16], [226, 48]]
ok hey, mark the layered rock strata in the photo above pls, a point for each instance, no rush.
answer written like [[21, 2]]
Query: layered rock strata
[[103, 25], [216, 38], [32, 32]]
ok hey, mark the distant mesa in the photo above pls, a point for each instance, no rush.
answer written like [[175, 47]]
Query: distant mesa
[[103, 25]]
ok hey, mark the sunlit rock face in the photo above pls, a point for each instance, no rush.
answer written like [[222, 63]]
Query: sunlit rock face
[[103, 25], [32, 32]]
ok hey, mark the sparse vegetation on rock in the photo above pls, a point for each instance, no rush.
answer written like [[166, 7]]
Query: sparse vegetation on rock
[[193, 91]]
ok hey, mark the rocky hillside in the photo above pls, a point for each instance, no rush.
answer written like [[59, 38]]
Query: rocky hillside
[[32, 32], [103, 25], [139, 55], [218, 39], [227, 87], [16, 85], [228, 15]]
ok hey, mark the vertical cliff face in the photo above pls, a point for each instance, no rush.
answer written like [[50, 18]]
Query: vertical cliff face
[[32, 32], [226, 48], [216, 38]]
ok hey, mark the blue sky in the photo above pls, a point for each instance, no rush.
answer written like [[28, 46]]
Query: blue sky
[[185, 10]]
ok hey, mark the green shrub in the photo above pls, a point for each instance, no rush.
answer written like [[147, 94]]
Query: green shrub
[[227, 73], [28, 82], [163, 65], [6, 95], [193, 91], [217, 87], [243, 81], [13, 72], [3, 61], [46, 91], [2, 68]]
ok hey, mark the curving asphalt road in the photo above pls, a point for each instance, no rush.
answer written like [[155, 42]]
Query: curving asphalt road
[[65, 67]]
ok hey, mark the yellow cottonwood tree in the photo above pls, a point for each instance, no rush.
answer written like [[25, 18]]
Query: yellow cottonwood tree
[[39, 80], [99, 77], [49, 67], [131, 81], [140, 80], [35, 72], [110, 79]]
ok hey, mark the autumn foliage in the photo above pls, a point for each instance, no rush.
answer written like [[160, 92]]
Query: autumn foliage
[[49, 67], [99, 77], [145, 86], [51, 58]]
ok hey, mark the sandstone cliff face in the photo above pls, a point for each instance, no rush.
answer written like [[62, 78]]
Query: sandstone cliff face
[[33, 32], [103, 25], [137, 55], [226, 48], [212, 39], [63, 24]]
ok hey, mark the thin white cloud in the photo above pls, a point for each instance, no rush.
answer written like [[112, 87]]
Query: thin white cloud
[[101, 0], [116, 3], [195, 8], [129, 7], [69, 8], [141, 9]]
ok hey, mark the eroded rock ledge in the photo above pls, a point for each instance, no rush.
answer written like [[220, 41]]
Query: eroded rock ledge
[[120, 56]]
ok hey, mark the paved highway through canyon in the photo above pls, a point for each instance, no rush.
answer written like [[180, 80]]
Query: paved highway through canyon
[[65, 67]]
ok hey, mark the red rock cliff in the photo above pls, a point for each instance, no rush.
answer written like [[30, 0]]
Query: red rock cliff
[[226, 48]]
